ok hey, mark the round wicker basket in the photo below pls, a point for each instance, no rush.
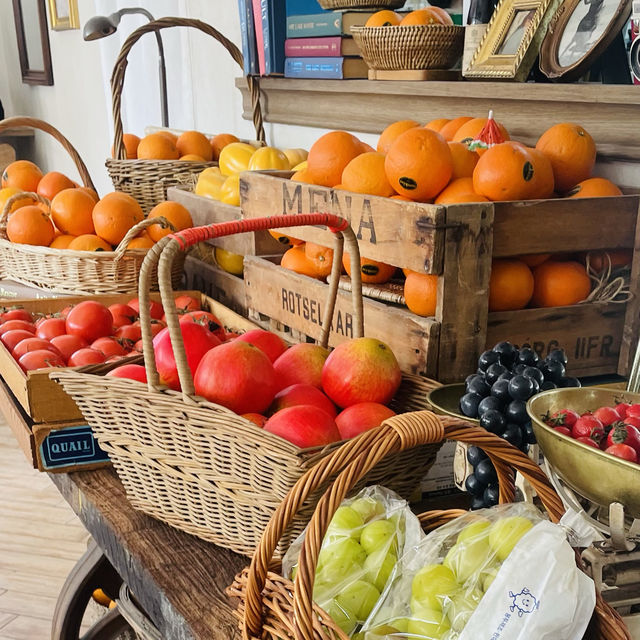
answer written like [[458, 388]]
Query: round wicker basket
[[361, 4], [433, 46]]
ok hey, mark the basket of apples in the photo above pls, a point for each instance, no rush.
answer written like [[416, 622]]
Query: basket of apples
[[221, 433]]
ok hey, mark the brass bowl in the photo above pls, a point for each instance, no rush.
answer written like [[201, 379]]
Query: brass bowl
[[592, 473], [446, 401]]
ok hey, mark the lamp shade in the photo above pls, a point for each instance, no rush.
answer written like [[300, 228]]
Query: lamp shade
[[99, 27]]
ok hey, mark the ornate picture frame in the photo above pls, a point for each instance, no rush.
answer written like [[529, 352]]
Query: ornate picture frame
[[32, 34], [512, 40], [63, 14], [564, 55]]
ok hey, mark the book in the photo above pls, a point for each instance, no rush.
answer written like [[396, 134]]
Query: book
[[257, 22], [337, 68], [303, 7], [249, 53], [273, 29], [320, 47], [333, 23]]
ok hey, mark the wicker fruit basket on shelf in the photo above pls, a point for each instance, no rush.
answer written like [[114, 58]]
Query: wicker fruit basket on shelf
[[199, 466], [273, 607], [432, 46], [148, 180], [361, 4]]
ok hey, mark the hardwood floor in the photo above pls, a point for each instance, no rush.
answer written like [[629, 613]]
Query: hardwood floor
[[40, 541]]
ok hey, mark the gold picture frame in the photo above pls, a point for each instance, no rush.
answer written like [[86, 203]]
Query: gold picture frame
[[63, 14], [512, 40]]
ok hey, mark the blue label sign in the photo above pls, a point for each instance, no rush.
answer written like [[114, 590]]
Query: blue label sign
[[72, 446]]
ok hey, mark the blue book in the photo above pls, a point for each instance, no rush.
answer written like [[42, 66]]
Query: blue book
[[274, 33], [303, 7], [330, 23], [329, 68], [248, 33]]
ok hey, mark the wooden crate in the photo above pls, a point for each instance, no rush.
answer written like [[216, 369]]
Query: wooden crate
[[458, 242], [206, 211]]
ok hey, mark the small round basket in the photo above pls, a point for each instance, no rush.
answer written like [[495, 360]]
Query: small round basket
[[361, 4], [432, 46]]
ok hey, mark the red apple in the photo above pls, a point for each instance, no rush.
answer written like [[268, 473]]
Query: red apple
[[257, 418], [303, 394], [360, 417], [301, 364], [131, 371], [361, 370], [304, 425], [236, 375], [273, 345]]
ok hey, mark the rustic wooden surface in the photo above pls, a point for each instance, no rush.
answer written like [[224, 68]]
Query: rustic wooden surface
[[632, 317], [413, 75], [178, 579]]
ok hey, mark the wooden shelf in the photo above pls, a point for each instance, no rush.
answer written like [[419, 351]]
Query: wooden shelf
[[611, 113]]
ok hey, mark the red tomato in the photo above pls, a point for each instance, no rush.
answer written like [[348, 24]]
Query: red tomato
[[197, 341], [109, 347], [633, 410], [606, 415], [624, 434], [11, 338], [156, 327], [65, 312], [622, 451], [68, 345], [131, 332], [184, 304], [207, 320], [588, 426], [16, 314], [33, 344], [40, 359], [154, 307], [589, 441], [123, 314], [90, 320], [257, 418], [12, 325], [131, 371], [86, 356], [51, 327], [563, 418], [114, 358], [634, 421], [230, 335], [138, 346], [621, 409], [563, 430]]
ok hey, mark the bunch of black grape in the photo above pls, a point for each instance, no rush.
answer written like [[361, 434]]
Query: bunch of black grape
[[497, 395]]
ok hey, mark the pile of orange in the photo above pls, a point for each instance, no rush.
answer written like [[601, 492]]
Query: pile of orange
[[77, 219], [428, 15]]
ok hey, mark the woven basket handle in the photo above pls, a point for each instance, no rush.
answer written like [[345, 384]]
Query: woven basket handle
[[33, 123], [117, 77], [136, 229], [166, 250], [397, 434], [4, 214]]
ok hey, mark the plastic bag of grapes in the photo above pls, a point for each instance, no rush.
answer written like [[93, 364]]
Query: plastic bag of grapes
[[503, 572], [366, 536]]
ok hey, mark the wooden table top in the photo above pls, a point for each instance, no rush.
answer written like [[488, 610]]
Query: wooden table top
[[178, 579]]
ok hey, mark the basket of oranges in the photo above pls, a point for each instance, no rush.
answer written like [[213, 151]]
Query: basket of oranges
[[422, 39], [162, 160]]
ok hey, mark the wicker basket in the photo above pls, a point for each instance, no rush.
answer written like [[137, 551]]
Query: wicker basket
[[361, 4], [148, 180], [199, 466], [433, 46], [272, 607]]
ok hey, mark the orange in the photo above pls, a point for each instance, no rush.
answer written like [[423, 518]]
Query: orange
[[594, 188], [219, 142], [444, 198], [421, 293], [157, 146], [62, 241], [175, 213], [301, 176], [572, 153], [91, 192], [470, 129], [428, 15], [89, 242], [366, 174], [330, 154], [30, 225], [52, 183], [617, 258], [384, 18], [131, 142], [283, 238], [533, 260], [71, 212], [21, 174], [464, 161], [542, 183], [114, 215], [364, 147], [7, 192], [510, 286], [320, 257], [399, 197], [141, 243], [449, 130], [419, 164], [437, 124], [295, 259], [192, 157], [392, 132], [194, 143], [371, 271], [559, 284], [168, 135]]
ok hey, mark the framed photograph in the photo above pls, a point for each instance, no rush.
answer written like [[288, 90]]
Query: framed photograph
[[33, 41], [64, 14], [579, 33], [512, 40]]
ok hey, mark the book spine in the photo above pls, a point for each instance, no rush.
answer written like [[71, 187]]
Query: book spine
[[277, 30], [246, 17], [266, 37], [303, 7], [257, 22], [309, 26], [312, 47], [327, 68]]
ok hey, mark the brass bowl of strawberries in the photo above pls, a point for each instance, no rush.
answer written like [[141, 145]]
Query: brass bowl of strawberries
[[591, 438]]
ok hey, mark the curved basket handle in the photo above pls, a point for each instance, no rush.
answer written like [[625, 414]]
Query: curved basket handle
[[117, 77], [4, 214], [33, 123], [363, 453], [121, 249], [165, 251]]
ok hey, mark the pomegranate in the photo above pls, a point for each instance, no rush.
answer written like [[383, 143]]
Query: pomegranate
[[304, 425], [303, 394], [301, 364], [272, 344], [361, 417]]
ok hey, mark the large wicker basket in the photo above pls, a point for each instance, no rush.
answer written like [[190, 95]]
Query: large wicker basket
[[272, 607], [148, 180], [199, 466], [361, 4], [433, 46]]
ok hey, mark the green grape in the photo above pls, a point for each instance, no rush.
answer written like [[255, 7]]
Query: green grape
[[344, 618], [460, 608], [378, 534], [381, 632], [478, 528], [505, 533], [294, 572], [345, 522], [359, 597], [432, 584], [340, 558], [379, 566], [488, 576], [428, 623], [368, 508], [468, 557]]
